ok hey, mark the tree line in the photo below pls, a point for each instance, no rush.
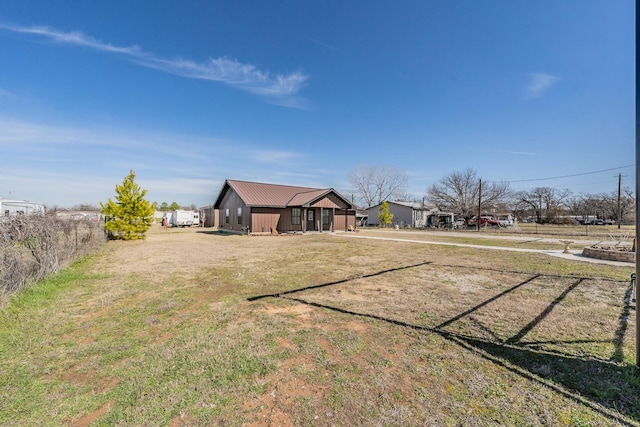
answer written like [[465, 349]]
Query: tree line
[[465, 194], [174, 206]]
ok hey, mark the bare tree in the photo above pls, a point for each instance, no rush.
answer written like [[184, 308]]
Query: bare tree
[[604, 206], [458, 192], [627, 207], [376, 184], [548, 203]]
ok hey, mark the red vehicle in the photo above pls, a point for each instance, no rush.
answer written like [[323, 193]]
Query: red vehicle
[[486, 221]]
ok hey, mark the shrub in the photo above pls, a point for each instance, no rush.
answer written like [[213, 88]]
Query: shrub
[[34, 246]]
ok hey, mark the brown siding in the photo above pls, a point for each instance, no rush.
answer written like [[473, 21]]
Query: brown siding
[[263, 219], [337, 221], [341, 224], [232, 202], [329, 201]]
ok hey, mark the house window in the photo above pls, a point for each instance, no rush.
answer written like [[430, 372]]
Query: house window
[[295, 216], [226, 216], [325, 217], [239, 216], [419, 215]]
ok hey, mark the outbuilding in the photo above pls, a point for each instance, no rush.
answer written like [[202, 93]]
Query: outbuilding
[[412, 215]]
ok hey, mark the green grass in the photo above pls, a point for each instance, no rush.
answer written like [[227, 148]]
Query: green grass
[[407, 335]]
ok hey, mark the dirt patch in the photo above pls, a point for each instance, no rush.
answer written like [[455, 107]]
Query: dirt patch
[[89, 418], [302, 314]]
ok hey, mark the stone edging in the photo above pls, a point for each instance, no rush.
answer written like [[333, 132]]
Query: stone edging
[[609, 255]]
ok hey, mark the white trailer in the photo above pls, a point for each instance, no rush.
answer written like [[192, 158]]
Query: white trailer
[[181, 218], [20, 207]]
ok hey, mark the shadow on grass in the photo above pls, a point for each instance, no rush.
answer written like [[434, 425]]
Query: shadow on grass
[[337, 282], [609, 387], [218, 233]]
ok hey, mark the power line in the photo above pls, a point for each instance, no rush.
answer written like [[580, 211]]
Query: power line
[[569, 176]]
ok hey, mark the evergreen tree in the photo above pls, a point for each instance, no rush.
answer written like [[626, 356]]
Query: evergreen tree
[[130, 216], [383, 214], [174, 206]]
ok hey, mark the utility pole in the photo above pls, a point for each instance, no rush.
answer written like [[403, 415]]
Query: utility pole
[[637, 185], [479, 202], [619, 185], [539, 207]]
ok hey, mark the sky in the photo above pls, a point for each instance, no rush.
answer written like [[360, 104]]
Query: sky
[[188, 94]]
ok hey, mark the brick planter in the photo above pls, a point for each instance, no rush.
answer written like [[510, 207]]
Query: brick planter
[[609, 255]]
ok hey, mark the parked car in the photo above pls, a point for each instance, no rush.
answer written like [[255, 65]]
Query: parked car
[[486, 221], [460, 223]]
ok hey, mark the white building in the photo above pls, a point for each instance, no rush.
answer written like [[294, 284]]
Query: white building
[[20, 207]]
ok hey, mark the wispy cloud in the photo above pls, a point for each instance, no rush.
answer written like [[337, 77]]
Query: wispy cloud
[[539, 83], [67, 165], [325, 45], [297, 175], [73, 37], [278, 89], [521, 153], [32, 138], [267, 156]]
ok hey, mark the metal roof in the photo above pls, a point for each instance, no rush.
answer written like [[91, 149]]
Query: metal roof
[[274, 195], [306, 198]]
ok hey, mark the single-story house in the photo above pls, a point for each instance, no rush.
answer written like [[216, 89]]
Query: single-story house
[[265, 208], [412, 215]]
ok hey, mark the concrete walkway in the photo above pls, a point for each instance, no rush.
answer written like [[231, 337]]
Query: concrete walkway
[[574, 255]]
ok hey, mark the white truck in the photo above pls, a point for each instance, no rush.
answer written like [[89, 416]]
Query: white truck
[[181, 218]]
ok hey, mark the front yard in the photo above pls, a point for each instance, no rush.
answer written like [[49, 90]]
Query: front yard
[[192, 327]]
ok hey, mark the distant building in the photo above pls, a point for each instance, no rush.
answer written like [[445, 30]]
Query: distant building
[[80, 215], [412, 215], [20, 207]]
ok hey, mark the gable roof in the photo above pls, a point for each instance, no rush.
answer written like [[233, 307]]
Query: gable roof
[[275, 195], [308, 197]]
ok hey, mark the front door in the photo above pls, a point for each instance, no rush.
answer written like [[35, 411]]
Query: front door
[[311, 220]]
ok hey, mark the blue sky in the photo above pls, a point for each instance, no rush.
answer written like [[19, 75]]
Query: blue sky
[[188, 94]]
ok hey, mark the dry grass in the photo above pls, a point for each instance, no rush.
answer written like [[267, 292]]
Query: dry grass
[[197, 328]]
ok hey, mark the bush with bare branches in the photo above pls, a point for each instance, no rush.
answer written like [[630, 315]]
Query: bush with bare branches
[[34, 246]]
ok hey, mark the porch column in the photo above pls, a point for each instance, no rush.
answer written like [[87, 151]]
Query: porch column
[[333, 221], [320, 221], [304, 221]]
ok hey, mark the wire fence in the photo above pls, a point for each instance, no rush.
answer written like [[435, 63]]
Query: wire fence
[[35, 246]]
